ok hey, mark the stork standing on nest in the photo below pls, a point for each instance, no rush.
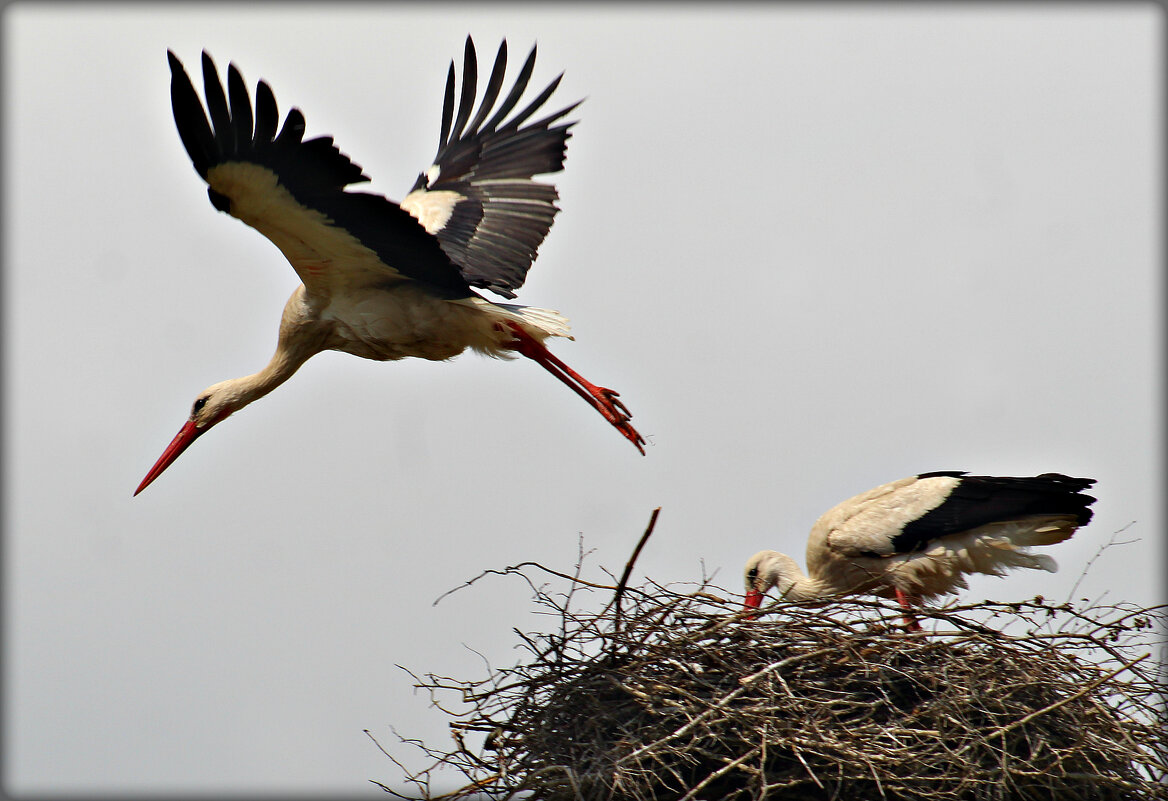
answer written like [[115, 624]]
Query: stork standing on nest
[[380, 280], [917, 538]]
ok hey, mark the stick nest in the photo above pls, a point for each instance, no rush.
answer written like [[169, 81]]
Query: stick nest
[[671, 693]]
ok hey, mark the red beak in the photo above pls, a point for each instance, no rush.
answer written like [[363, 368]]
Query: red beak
[[186, 435], [753, 601]]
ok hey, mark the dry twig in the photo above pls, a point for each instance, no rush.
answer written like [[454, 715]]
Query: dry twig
[[670, 693]]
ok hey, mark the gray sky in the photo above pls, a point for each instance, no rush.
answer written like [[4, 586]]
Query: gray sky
[[816, 248]]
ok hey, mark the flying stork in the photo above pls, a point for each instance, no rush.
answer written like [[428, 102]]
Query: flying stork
[[916, 538], [381, 280]]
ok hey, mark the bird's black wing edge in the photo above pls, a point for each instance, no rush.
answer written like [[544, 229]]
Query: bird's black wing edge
[[314, 171], [980, 500], [493, 233]]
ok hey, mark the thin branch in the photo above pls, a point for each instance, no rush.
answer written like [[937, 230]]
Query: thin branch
[[998, 732], [615, 603], [1099, 552], [518, 570]]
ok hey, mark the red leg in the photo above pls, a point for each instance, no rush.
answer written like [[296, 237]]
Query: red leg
[[906, 603], [603, 400]]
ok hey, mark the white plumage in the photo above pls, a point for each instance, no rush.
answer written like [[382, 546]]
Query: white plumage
[[917, 538], [381, 280]]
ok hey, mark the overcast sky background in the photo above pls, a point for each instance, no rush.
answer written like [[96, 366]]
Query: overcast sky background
[[816, 248]]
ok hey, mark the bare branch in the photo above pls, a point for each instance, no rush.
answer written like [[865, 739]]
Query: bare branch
[[670, 692]]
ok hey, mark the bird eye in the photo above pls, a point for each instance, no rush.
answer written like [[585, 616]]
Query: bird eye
[[752, 572], [198, 407]]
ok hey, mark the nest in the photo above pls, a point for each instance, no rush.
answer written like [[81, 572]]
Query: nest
[[672, 693]]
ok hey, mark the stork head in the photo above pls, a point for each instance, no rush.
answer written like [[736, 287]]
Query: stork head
[[767, 569], [214, 404]]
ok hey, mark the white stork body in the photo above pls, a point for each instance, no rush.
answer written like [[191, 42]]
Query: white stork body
[[380, 280], [917, 538]]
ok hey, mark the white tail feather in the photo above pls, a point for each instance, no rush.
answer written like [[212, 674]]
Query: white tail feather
[[551, 323], [493, 337]]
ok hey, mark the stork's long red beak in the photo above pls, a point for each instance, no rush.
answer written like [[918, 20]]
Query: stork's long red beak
[[186, 435], [753, 601]]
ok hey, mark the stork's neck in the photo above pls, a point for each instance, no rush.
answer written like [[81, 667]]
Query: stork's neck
[[302, 335], [283, 366], [790, 583], [806, 588]]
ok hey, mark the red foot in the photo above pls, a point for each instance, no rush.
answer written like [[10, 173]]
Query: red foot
[[907, 602], [602, 399]]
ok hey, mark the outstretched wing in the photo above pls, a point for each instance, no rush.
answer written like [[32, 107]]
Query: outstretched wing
[[293, 191], [479, 197]]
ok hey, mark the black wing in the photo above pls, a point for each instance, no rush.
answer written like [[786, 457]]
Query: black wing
[[293, 191], [479, 198], [979, 500]]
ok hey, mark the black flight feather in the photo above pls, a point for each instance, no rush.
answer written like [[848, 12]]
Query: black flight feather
[[519, 118], [516, 92], [470, 82], [193, 128], [503, 215], [292, 131], [267, 116], [980, 500], [241, 117], [217, 106], [314, 172], [447, 108], [494, 84]]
